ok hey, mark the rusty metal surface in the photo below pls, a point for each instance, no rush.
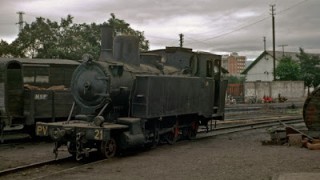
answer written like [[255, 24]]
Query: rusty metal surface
[[311, 111]]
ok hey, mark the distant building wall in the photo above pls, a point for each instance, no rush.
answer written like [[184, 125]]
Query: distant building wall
[[263, 70], [234, 63], [289, 89]]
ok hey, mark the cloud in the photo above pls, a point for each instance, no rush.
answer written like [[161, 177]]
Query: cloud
[[216, 26]]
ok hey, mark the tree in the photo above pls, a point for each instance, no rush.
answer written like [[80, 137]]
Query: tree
[[120, 26], [4, 49], [288, 70], [310, 72], [44, 38], [48, 39]]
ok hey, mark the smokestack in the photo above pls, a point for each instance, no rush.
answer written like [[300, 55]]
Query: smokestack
[[106, 43]]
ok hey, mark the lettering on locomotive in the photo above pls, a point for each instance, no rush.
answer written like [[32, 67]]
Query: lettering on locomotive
[[41, 96], [42, 130]]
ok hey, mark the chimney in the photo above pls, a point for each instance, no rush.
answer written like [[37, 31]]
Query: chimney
[[106, 43]]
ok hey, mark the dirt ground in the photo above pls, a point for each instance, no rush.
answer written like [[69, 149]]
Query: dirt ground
[[13, 155], [235, 156]]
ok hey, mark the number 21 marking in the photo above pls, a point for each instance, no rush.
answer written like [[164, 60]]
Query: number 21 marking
[[98, 134]]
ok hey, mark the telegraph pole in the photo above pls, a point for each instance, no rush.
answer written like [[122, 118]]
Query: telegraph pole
[[20, 13], [273, 42], [264, 43], [181, 39], [283, 45]]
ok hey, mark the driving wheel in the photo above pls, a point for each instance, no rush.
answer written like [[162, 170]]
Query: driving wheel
[[109, 148]]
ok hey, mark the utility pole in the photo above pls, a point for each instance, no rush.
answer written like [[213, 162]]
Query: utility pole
[[20, 22], [283, 45], [273, 42], [181, 39], [264, 43]]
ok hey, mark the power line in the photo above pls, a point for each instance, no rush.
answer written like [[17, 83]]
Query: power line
[[293, 6], [181, 40], [256, 22], [232, 31], [226, 14], [273, 41], [20, 22], [283, 45], [4, 23]]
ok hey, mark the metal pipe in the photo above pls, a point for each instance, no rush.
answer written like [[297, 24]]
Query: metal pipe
[[104, 107], [71, 111]]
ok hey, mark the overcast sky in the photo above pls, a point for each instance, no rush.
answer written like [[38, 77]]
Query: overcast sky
[[218, 26]]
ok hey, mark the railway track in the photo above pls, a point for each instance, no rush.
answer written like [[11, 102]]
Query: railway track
[[227, 129], [42, 169], [202, 133], [245, 113], [34, 165]]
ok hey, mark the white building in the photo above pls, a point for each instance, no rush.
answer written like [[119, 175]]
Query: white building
[[261, 69]]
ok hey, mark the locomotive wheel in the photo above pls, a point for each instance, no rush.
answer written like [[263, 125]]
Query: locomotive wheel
[[71, 148], [172, 136], [108, 148], [192, 131]]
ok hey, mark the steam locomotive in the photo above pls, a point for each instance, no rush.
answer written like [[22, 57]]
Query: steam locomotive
[[131, 99]]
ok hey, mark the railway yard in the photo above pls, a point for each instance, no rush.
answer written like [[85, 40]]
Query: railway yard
[[232, 150], [131, 115]]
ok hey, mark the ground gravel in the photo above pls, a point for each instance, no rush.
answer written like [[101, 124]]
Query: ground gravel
[[235, 156]]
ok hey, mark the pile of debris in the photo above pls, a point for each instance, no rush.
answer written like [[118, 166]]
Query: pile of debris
[[53, 88], [313, 144], [293, 136]]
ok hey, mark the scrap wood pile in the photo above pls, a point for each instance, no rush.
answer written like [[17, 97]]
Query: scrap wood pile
[[54, 88], [311, 144], [288, 135]]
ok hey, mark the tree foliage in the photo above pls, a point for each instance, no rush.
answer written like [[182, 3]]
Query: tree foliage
[[310, 71], [4, 49], [44, 38], [288, 69], [120, 26], [306, 69]]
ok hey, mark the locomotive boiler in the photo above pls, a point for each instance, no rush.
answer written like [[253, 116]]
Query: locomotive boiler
[[125, 103]]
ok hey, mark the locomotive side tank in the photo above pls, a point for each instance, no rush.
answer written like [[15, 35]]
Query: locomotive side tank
[[125, 103]]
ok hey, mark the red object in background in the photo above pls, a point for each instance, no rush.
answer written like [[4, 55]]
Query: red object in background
[[267, 99]]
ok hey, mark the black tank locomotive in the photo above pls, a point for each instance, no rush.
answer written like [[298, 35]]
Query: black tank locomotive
[[125, 103]]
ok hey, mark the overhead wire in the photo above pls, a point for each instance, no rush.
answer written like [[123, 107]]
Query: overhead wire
[[5, 23], [248, 25]]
